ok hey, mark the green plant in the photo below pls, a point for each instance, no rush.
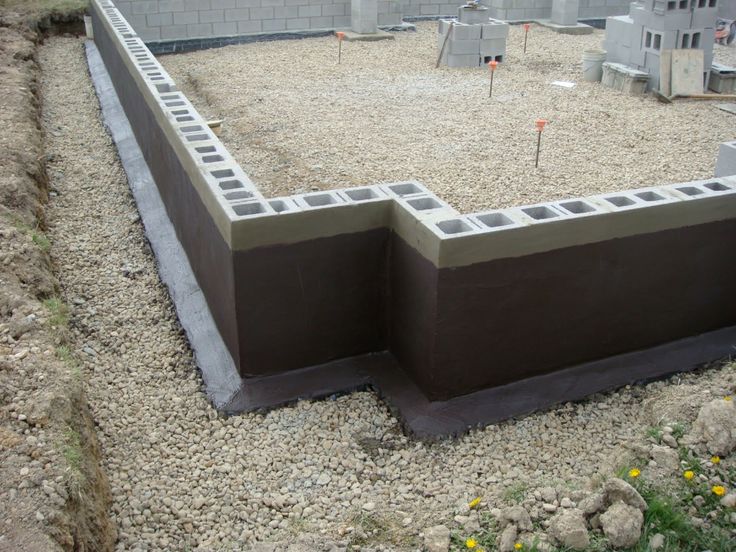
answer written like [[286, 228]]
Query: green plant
[[655, 434], [41, 240], [515, 493], [59, 313]]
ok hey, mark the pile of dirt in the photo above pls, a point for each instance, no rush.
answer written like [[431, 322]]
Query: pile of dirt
[[53, 494]]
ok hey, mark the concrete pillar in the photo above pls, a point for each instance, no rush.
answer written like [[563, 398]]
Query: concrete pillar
[[364, 16], [565, 12]]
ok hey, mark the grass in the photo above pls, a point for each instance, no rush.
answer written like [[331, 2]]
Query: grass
[[59, 313], [379, 529], [515, 493], [41, 240], [65, 354]]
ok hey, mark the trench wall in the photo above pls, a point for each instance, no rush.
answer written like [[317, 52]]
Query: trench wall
[[170, 20], [463, 302]]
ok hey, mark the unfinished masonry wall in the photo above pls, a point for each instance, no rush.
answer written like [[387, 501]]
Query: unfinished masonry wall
[[155, 20], [462, 302]]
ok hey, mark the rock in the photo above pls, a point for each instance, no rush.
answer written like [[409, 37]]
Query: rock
[[729, 501], [568, 529], [549, 508], [567, 503], [591, 504], [618, 490], [665, 457], [437, 539], [548, 494], [656, 542], [369, 506], [323, 479], [622, 524], [716, 427], [519, 517], [669, 440], [507, 539]]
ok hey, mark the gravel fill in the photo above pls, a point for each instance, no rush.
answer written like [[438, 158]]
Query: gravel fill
[[183, 477], [297, 121]]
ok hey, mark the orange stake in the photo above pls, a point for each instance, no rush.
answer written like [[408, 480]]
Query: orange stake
[[540, 127], [526, 33], [492, 66], [340, 38]]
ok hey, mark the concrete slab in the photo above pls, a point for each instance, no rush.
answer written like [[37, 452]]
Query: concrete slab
[[579, 29], [727, 107], [687, 72], [352, 36]]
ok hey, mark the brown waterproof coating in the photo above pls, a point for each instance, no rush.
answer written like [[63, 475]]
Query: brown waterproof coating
[[334, 313]]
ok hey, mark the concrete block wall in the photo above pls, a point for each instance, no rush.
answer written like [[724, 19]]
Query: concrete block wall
[[652, 26], [393, 270], [527, 10], [162, 20]]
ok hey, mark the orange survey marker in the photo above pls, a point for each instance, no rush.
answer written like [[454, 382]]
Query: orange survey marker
[[492, 66], [340, 38], [540, 127], [526, 33]]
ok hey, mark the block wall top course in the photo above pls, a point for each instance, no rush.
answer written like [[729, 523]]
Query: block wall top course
[[247, 220]]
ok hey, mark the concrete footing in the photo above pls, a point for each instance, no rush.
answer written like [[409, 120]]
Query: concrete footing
[[577, 29], [352, 36]]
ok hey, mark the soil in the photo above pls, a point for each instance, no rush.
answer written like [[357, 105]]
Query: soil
[[53, 495]]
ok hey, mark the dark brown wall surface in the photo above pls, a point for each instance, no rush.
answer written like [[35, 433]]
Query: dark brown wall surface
[[510, 319], [209, 255], [311, 302], [412, 308]]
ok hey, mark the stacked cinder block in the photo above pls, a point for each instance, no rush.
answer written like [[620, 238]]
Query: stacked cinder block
[[722, 78], [637, 39], [475, 39]]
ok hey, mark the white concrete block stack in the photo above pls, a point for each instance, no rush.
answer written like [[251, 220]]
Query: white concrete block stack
[[475, 38], [637, 39]]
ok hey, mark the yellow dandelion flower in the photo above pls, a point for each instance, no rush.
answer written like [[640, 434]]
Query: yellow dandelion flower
[[471, 543], [518, 546], [634, 472], [689, 474], [473, 503], [728, 398], [718, 490], [715, 459]]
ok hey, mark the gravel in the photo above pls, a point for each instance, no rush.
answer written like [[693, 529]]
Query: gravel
[[182, 477], [297, 121]]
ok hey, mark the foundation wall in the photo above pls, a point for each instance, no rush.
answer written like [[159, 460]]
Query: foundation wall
[[171, 20], [462, 301]]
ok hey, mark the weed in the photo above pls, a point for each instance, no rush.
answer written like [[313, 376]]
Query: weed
[[655, 434], [59, 312], [515, 493], [678, 430], [65, 354], [40, 239], [372, 528]]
